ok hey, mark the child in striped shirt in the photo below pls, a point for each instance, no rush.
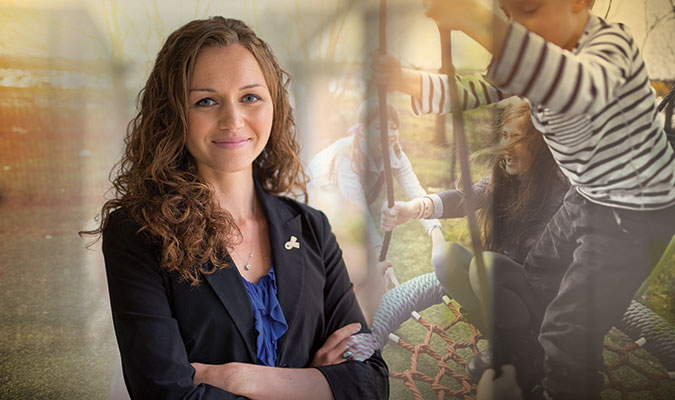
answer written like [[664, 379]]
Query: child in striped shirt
[[592, 100]]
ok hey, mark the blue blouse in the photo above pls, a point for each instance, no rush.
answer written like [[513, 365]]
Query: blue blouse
[[269, 318]]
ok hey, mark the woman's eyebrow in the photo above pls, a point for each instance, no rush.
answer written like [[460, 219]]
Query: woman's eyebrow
[[252, 85], [202, 90]]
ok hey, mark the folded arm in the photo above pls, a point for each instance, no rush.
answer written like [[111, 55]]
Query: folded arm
[[154, 359], [352, 379]]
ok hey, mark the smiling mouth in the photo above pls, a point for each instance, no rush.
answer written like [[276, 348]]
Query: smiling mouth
[[231, 143]]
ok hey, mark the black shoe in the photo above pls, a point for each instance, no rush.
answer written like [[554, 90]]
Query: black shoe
[[478, 364], [529, 363], [522, 351]]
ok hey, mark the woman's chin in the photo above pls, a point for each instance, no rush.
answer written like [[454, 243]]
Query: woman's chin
[[512, 170]]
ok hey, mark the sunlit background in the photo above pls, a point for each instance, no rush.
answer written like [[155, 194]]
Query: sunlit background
[[69, 75]]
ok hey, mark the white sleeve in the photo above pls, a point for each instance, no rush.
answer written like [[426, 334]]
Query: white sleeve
[[350, 187], [411, 186]]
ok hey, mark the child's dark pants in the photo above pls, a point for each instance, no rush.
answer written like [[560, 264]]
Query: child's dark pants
[[587, 266]]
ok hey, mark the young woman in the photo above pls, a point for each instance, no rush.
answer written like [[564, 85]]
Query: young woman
[[353, 167], [516, 201], [221, 288]]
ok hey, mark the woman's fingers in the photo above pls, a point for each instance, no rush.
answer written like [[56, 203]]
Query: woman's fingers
[[342, 334], [335, 355], [382, 266], [394, 216], [387, 218], [390, 278], [335, 346]]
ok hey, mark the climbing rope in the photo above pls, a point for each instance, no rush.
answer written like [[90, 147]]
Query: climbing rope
[[643, 346]]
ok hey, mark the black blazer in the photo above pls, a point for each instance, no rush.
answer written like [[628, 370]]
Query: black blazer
[[162, 324]]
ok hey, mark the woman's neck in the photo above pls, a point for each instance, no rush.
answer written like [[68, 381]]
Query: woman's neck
[[235, 192]]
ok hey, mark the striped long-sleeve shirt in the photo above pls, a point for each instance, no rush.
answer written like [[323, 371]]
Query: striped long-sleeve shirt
[[594, 106]]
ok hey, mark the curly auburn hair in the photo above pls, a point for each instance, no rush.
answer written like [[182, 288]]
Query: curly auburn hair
[[156, 182]]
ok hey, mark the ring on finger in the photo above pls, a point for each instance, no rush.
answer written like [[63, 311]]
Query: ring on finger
[[347, 354]]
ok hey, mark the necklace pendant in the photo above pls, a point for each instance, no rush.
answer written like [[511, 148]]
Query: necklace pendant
[[247, 266]]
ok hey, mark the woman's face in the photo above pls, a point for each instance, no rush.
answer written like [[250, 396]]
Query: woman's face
[[373, 136], [518, 157], [230, 110]]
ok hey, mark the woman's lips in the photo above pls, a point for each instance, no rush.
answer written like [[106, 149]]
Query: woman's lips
[[510, 161], [231, 143]]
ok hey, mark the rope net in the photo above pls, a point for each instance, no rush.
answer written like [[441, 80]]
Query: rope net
[[630, 371]]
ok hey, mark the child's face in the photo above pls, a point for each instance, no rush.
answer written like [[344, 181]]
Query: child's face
[[557, 21], [518, 157]]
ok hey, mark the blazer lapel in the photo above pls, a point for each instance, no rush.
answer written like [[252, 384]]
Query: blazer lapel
[[288, 264], [231, 291], [284, 224]]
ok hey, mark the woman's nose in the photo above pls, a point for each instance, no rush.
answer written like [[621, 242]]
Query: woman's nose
[[231, 117]]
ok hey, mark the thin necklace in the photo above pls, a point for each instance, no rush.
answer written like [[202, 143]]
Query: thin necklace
[[248, 265]]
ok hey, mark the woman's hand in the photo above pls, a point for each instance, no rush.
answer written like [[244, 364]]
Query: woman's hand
[[335, 347], [386, 269], [503, 388], [401, 212]]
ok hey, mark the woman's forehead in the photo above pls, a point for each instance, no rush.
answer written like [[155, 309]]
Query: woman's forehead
[[232, 64]]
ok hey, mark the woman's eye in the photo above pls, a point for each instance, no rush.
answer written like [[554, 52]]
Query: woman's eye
[[205, 102], [250, 98]]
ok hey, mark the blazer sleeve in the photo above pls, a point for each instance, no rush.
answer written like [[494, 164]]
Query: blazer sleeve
[[351, 379], [154, 359]]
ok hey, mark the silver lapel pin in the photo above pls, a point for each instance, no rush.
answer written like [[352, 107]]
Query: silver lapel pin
[[292, 243]]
